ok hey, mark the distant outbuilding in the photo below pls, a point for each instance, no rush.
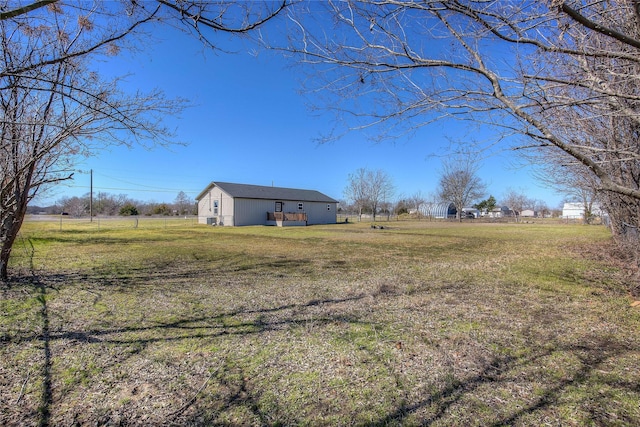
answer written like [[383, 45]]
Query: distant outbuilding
[[438, 210], [577, 210], [231, 204]]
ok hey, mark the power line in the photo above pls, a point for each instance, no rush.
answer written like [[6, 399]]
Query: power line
[[163, 190]]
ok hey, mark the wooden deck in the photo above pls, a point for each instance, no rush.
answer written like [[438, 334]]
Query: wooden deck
[[286, 216]]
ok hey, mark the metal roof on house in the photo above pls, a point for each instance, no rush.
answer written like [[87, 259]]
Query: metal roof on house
[[247, 191]]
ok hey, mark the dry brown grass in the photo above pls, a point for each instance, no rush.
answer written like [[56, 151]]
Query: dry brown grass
[[417, 324]]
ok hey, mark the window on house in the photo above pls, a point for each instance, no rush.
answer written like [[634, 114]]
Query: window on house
[[215, 207], [328, 207], [278, 206], [300, 206]]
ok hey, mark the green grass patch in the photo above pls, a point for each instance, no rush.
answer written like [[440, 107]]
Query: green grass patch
[[418, 323]]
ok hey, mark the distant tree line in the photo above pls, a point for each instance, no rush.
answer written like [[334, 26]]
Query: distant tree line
[[105, 204], [372, 193]]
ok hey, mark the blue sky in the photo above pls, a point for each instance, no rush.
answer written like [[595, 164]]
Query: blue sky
[[248, 124]]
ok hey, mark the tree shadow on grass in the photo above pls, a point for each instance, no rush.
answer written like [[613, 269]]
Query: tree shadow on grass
[[500, 369], [437, 405], [591, 353], [42, 336], [192, 327], [44, 408]]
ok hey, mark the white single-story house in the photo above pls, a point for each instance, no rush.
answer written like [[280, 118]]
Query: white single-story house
[[529, 213], [226, 203]]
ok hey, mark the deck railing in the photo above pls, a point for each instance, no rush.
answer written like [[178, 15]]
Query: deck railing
[[286, 216]]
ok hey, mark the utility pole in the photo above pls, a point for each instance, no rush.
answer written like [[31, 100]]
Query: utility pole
[[91, 195]]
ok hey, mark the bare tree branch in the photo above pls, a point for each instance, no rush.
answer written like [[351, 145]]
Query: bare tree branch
[[595, 26], [25, 9]]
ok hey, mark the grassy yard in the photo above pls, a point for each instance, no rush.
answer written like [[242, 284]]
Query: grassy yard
[[421, 323]]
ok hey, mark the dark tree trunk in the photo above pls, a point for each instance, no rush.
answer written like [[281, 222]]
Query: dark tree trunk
[[8, 236], [11, 219]]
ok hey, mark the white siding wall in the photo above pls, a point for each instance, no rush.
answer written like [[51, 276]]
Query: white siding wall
[[573, 210], [206, 207], [576, 210], [253, 211], [317, 213]]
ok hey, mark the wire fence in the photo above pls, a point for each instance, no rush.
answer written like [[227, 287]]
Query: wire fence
[[64, 222], [67, 222]]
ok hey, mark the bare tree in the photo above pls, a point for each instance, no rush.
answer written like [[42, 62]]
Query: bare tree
[[55, 112], [551, 71], [55, 108], [542, 208], [381, 191], [369, 189], [76, 206], [459, 182], [417, 201], [357, 190], [516, 202], [183, 203], [109, 204]]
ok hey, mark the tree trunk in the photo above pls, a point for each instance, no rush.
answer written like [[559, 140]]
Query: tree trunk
[[624, 222], [11, 219], [7, 238], [4, 260]]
